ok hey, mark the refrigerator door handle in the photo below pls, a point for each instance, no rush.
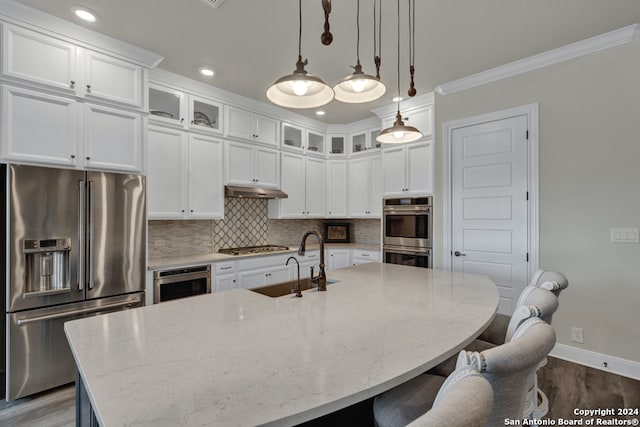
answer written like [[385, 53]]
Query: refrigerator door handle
[[81, 187], [28, 320], [90, 224]]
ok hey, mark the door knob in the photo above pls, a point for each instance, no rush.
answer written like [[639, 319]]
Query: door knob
[[458, 253]]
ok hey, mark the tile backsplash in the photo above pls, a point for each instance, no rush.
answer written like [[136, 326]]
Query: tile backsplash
[[245, 223]]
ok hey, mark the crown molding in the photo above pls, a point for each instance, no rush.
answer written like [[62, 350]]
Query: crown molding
[[405, 104], [554, 56]]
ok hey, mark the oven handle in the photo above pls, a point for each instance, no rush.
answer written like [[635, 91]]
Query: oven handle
[[407, 251], [395, 210], [130, 303]]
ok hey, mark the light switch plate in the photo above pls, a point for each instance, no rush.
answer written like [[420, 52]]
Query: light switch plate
[[624, 235]]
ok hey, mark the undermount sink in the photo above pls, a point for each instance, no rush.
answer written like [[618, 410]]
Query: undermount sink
[[286, 288]]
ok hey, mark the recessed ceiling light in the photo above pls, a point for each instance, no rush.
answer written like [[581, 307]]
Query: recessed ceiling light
[[208, 72], [84, 13], [320, 113], [397, 99]]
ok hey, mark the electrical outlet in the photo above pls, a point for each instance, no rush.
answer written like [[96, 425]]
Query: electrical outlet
[[577, 335]]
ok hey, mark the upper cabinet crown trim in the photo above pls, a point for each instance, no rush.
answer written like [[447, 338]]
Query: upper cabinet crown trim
[[36, 20], [553, 56]]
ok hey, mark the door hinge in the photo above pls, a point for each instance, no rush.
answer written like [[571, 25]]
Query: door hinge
[[527, 256], [527, 133]]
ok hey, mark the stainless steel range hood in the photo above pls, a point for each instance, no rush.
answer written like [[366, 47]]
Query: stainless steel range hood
[[254, 192]]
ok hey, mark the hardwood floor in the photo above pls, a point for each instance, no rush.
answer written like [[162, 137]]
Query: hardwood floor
[[53, 408]]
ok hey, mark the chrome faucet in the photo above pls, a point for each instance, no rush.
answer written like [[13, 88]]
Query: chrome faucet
[[298, 290], [321, 279]]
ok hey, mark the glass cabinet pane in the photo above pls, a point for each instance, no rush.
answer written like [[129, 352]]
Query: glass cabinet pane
[[374, 134], [292, 136], [358, 143], [205, 114], [165, 104], [337, 145], [315, 142]]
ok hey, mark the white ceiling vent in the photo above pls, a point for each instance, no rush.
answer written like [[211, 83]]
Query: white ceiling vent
[[213, 3]]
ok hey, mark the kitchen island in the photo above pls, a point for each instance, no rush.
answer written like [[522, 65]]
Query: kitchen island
[[238, 358]]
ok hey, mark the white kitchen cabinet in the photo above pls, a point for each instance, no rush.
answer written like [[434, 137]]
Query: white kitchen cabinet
[[38, 128], [250, 126], [184, 180], [337, 179], [168, 106], [56, 130], [296, 138], [302, 178], [205, 186], [337, 146], [251, 165], [225, 276], [365, 187], [205, 115], [364, 256], [306, 261], [338, 258], [408, 169], [264, 276], [44, 61], [363, 142], [111, 79], [112, 139]]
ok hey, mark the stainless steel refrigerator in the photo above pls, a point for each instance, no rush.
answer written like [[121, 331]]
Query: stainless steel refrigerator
[[74, 247]]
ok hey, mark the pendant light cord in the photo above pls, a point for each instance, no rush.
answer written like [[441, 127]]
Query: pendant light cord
[[377, 20], [398, 56], [300, 28], [412, 45], [358, 32]]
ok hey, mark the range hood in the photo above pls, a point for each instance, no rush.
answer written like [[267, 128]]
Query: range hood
[[254, 192]]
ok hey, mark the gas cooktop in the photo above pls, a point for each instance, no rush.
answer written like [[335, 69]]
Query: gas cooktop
[[253, 250]]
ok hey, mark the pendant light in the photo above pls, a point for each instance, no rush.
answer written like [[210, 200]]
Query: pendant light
[[300, 89], [359, 87], [399, 132]]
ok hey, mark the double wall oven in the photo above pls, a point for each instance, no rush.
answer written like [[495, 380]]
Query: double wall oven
[[407, 231]]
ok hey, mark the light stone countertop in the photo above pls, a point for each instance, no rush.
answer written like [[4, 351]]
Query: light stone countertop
[[190, 260], [238, 358]]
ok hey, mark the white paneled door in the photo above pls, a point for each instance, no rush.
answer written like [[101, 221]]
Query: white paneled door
[[489, 204]]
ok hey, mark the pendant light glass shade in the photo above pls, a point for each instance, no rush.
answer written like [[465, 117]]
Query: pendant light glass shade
[[399, 133], [359, 87], [300, 89]]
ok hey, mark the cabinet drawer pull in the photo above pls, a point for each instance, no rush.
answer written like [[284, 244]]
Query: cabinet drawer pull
[[88, 88], [72, 84], [226, 268]]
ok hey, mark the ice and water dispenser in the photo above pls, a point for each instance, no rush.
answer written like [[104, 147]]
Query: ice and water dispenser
[[47, 263]]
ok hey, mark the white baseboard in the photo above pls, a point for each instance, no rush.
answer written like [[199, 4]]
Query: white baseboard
[[603, 362]]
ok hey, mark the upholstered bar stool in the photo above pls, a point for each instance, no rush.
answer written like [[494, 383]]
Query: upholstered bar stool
[[465, 399], [533, 302], [509, 368]]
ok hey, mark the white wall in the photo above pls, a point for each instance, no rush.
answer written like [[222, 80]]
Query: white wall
[[589, 183]]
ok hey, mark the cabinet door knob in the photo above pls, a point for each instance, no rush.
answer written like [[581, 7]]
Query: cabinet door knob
[[182, 120], [89, 88], [88, 158], [182, 210], [72, 84], [191, 210], [73, 156]]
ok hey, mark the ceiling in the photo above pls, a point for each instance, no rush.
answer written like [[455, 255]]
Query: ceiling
[[251, 43]]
